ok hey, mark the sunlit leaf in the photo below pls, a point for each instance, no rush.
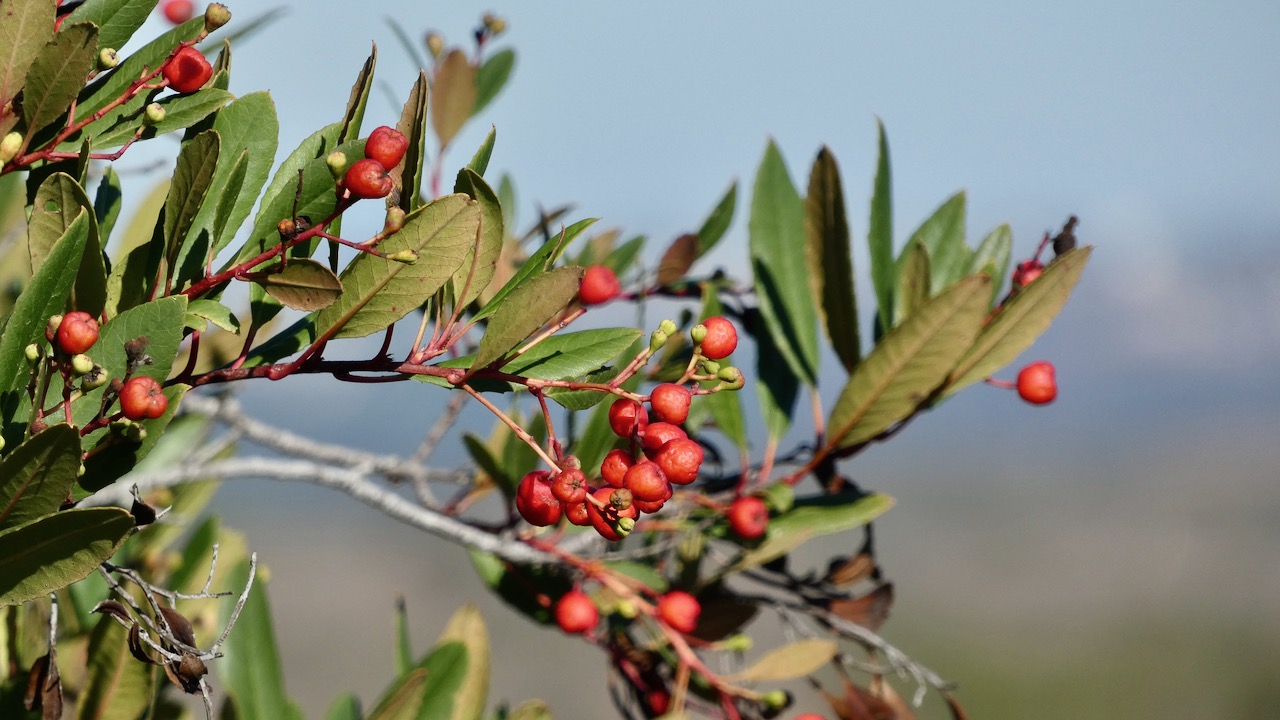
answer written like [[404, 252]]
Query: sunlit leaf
[[480, 160], [829, 514], [943, 237], [525, 310], [116, 20], [491, 77], [110, 86], [468, 627], [830, 259], [884, 276], [58, 73], [478, 267], [56, 550], [402, 699], [59, 201], [36, 476], [27, 26], [992, 257], [303, 284], [714, 227], [538, 262], [797, 659], [453, 96], [192, 179], [913, 281]]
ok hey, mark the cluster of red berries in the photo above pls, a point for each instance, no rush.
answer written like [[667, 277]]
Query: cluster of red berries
[[369, 178], [577, 614], [73, 335]]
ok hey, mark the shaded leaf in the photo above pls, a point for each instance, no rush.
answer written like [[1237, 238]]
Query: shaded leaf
[[251, 667], [192, 179], [884, 276], [453, 96], [446, 667], [36, 476], [529, 307], [1020, 320], [484, 257], [468, 627], [117, 20], [830, 258], [797, 659], [133, 269], [27, 26], [913, 281], [359, 98], [44, 687], [402, 699], [112, 458], [107, 201], [117, 687], [677, 259], [485, 459], [624, 256], [56, 550], [491, 77], [909, 363], [777, 386], [943, 237], [520, 585], [992, 258], [714, 227], [58, 73], [408, 174], [303, 284], [344, 707], [59, 201]]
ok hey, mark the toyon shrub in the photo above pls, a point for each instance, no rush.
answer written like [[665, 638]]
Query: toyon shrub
[[611, 482]]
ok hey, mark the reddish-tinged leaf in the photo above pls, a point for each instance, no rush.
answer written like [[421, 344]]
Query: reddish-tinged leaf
[[678, 258], [453, 96], [850, 570], [870, 611]]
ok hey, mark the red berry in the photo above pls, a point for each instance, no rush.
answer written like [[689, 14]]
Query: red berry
[[615, 466], [142, 397], [77, 332], [599, 285], [570, 486], [627, 417], [179, 11], [721, 339], [1036, 383], [658, 701], [535, 501], [386, 145], [576, 614], [188, 70], [368, 178], [604, 520], [670, 403], [647, 483], [680, 610], [748, 517], [576, 513], [1026, 272], [647, 507], [658, 434], [680, 460], [808, 716]]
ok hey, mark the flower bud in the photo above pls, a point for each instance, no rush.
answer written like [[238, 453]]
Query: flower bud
[[626, 608], [731, 377], [711, 367], [136, 432], [154, 115], [406, 256], [394, 221], [81, 364], [494, 24], [698, 333], [658, 340], [337, 162], [33, 353], [9, 147], [668, 326], [107, 58], [215, 16], [624, 526], [776, 699], [435, 44]]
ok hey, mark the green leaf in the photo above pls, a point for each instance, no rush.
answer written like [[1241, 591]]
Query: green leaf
[[943, 237], [447, 669], [107, 202], [27, 26], [491, 77], [59, 202], [480, 161], [251, 667], [776, 384], [538, 263], [56, 550], [120, 124], [829, 514], [519, 585], [117, 686], [109, 87], [408, 175], [830, 259], [781, 276], [714, 227], [484, 258], [793, 660], [641, 572], [488, 462], [913, 281], [378, 292], [303, 284], [222, 212], [277, 199], [909, 363], [36, 476], [529, 307], [192, 180], [884, 276], [402, 699], [453, 96], [203, 311], [992, 258], [58, 73], [507, 199], [117, 20], [137, 260], [467, 627], [344, 707], [624, 256], [404, 647], [359, 99], [531, 710], [1020, 320]]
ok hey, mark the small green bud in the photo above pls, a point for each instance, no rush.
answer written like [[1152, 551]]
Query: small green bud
[[81, 364], [406, 256], [33, 353], [698, 333], [494, 24], [731, 377], [1, 442], [337, 162], [738, 642], [658, 340], [668, 326], [81, 471], [107, 58], [776, 699], [9, 147], [215, 16], [95, 378], [624, 526], [626, 608], [435, 44], [394, 221], [710, 367], [154, 115]]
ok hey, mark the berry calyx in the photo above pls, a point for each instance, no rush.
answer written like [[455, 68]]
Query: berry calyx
[[368, 178], [680, 459], [570, 487], [680, 610], [670, 403], [386, 145], [608, 521], [1036, 383], [143, 398], [77, 332], [576, 614], [647, 483], [534, 500], [627, 417], [657, 434], [188, 70], [720, 340], [178, 11], [599, 285], [748, 517], [615, 466]]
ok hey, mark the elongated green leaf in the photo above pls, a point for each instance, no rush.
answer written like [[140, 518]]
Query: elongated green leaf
[[251, 667], [560, 357], [402, 699], [117, 20], [831, 260], [344, 707], [913, 281], [536, 710], [777, 386], [59, 202], [624, 256], [36, 476], [109, 87], [480, 160], [829, 514], [1021, 320], [793, 660], [539, 262], [453, 97], [992, 257], [943, 237], [192, 179], [408, 175], [884, 276], [492, 234], [107, 202], [781, 276], [223, 209], [57, 75], [56, 550], [491, 77], [303, 284], [27, 26], [525, 310], [447, 668], [520, 585], [359, 99], [714, 227], [378, 292], [202, 312], [485, 459], [468, 627], [137, 259], [117, 686], [909, 363], [277, 199]]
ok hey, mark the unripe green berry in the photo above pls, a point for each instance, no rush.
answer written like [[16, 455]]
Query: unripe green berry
[[51, 327], [435, 44], [337, 162], [1, 442], [81, 364], [730, 375], [668, 326], [95, 378], [80, 472], [658, 340], [154, 115], [33, 353], [9, 147], [711, 367], [406, 256], [215, 16], [776, 699], [107, 58], [738, 642], [698, 333], [624, 526], [626, 608], [394, 221]]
